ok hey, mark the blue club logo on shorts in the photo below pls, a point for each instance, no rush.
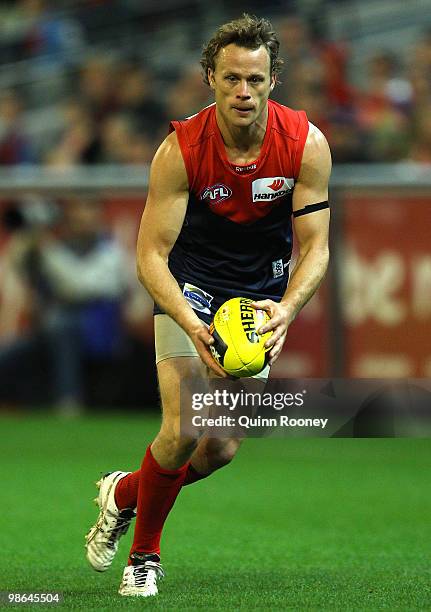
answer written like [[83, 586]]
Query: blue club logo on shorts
[[198, 299]]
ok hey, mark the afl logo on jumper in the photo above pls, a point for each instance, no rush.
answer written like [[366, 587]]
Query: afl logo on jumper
[[271, 188], [216, 193]]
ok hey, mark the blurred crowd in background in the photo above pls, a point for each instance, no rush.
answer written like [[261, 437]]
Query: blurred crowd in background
[[85, 82], [97, 81]]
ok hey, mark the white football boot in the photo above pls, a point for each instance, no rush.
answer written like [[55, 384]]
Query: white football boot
[[112, 523], [140, 579]]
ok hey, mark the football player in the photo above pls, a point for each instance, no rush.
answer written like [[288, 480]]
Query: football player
[[227, 187]]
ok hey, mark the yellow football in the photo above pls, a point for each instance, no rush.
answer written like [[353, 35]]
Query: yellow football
[[238, 348]]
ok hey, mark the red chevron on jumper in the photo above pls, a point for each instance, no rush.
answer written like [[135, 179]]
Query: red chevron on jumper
[[277, 184]]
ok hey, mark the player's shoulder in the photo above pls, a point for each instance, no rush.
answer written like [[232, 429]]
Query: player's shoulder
[[316, 146], [169, 151], [316, 158], [168, 163]]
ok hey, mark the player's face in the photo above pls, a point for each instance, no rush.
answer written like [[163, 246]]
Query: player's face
[[242, 83]]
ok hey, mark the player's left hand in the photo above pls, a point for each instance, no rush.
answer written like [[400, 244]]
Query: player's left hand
[[280, 319]]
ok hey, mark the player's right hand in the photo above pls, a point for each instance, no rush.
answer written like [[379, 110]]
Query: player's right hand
[[202, 340]]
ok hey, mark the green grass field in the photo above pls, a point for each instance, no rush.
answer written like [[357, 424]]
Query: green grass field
[[311, 524]]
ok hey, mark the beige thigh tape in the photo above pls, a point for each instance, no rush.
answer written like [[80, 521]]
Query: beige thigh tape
[[172, 341]]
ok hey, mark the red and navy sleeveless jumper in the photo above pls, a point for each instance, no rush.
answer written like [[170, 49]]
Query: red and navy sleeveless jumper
[[236, 237]]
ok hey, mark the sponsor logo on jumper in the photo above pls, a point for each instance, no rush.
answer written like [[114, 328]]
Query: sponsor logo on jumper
[[215, 194], [277, 184], [271, 188], [198, 298], [248, 168]]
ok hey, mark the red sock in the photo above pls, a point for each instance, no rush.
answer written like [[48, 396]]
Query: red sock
[[126, 491], [158, 490]]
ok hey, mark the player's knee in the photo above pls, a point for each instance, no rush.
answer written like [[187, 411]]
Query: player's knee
[[222, 455], [175, 445], [184, 445]]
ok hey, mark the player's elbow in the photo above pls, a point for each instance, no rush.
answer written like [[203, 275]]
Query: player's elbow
[[316, 250], [324, 254], [325, 260], [321, 254], [148, 264], [143, 267], [140, 272], [316, 257]]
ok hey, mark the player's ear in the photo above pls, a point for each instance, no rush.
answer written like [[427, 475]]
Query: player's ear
[[211, 78], [272, 82]]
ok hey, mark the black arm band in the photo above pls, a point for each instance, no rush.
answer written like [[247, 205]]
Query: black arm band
[[310, 208]]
